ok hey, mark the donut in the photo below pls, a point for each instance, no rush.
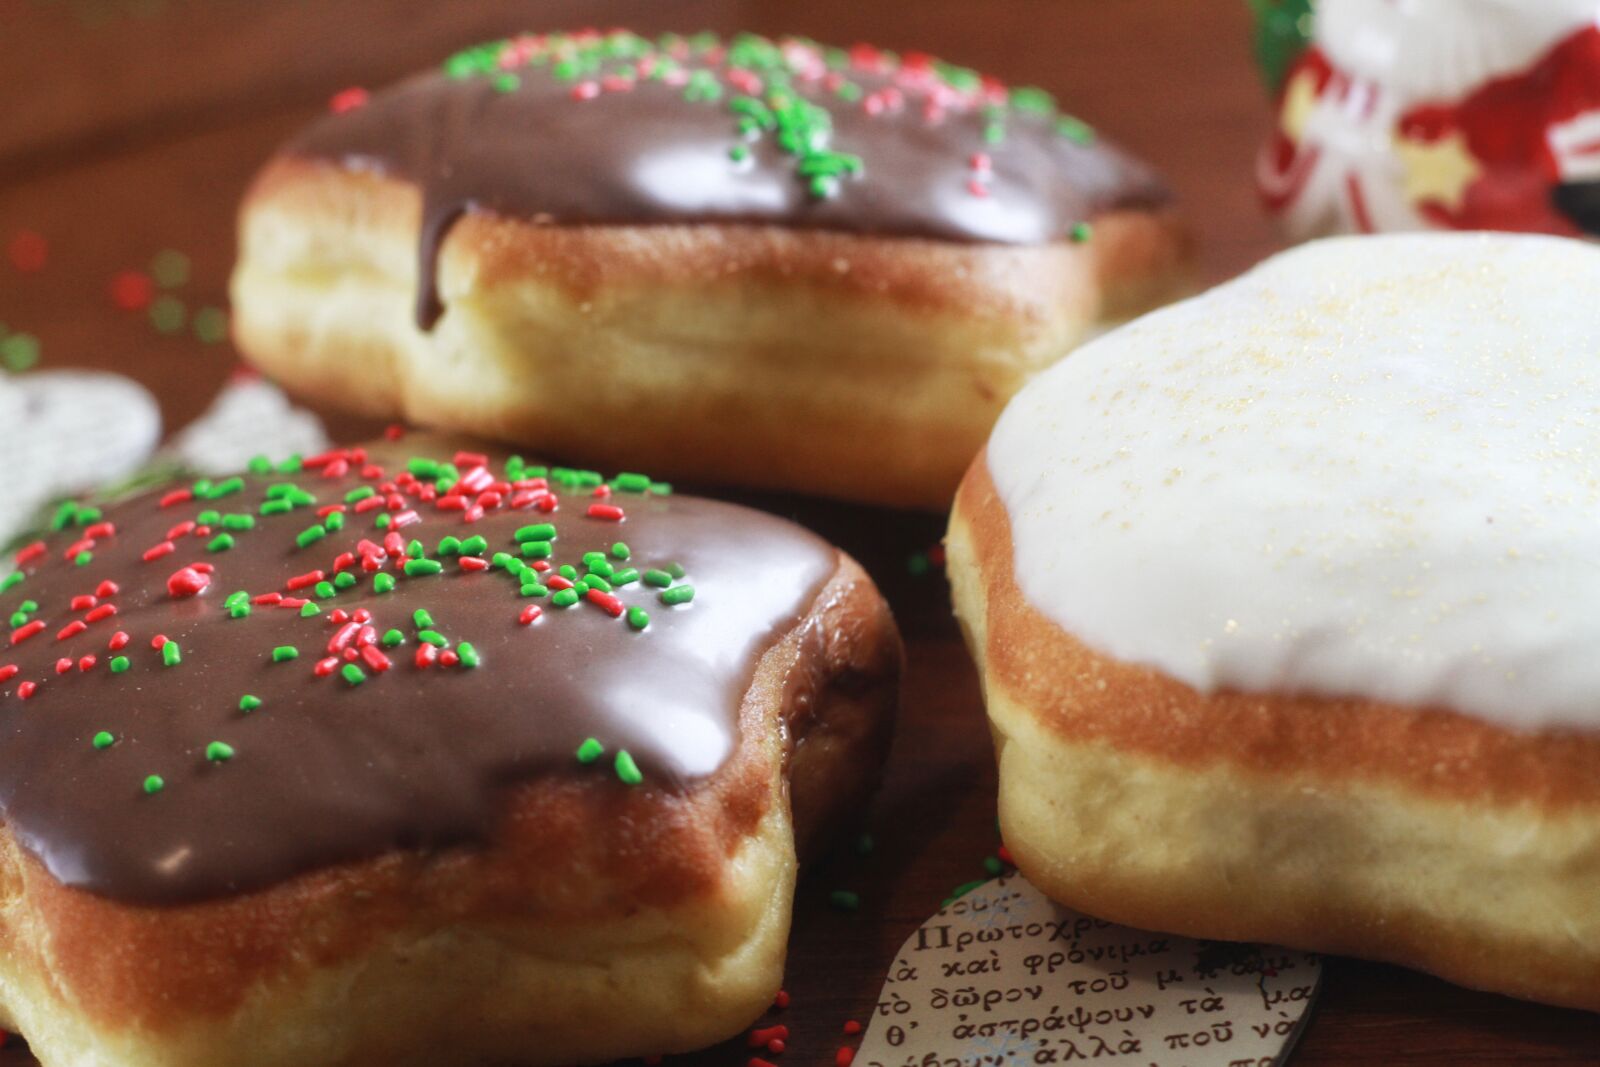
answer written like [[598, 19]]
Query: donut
[[1286, 602], [739, 257], [412, 753]]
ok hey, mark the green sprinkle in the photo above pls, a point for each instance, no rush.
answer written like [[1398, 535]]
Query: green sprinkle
[[19, 618], [170, 268], [864, 845], [681, 594], [845, 900], [638, 618], [534, 589], [1081, 232], [500, 560], [631, 483], [625, 577], [620, 551], [324, 589], [335, 520], [594, 581], [676, 570], [249, 703], [168, 314], [383, 583], [359, 494], [568, 571], [601, 567], [220, 543], [285, 653], [119, 664], [239, 611], [83, 559], [590, 751], [564, 598], [417, 567], [423, 467], [657, 578], [259, 464], [993, 865], [154, 784], [468, 654], [542, 531], [739, 153], [309, 608], [219, 752], [11, 581], [171, 654], [963, 889], [104, 739], [352, 674], [416, 549], [537, 549], [238, 521], [292, 465], [344, 580], [311, 535], [661, 488], [211, 325], [276, 507], [475, 545], [627, 770], [19, 351], [450, 546], [391, 638], [422, 619], [382, 521], [434, 638]]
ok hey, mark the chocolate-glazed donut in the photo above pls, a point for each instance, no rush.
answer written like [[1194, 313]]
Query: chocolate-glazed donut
[[692, 207], [344, 702]]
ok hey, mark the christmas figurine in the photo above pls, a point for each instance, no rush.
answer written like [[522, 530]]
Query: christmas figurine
[[1455, 114]]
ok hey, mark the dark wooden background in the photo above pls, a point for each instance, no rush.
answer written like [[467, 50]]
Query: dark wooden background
[[129, 127]]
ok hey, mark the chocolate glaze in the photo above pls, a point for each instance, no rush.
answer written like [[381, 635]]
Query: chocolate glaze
[[649, 155], [324, 772]]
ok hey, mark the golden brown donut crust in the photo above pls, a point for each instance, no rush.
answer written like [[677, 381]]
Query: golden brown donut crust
[[579, 869], [762, 355], [1290, 775]]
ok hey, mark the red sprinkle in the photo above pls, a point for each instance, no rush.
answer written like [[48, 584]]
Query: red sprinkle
[[100, 529], [29, 251], [852, 1027], [177, 496], [471, 459], [426, 656], [155, 552], [448, 658], [474, 563], [609, 512], [529, 613], [267, 599], [375, 659], [132, 291], [183, 529], [107, 588], [555, 581], [71, 629], [32, 552], [326, 667], [84, 544], [86, 663], [302, 581], [1005, 855], [394, 431], [119, 641], [348, 100], [22, 633], [8, 672], [158, 640], [781, 1000], [26, 690], [844, 1057], [757, 1061], [83, 602], [187, 582], [63, 665], [610, 603], [776, 1046], [768, 1033]]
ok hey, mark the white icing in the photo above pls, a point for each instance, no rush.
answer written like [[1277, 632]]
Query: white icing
[[250, 417], [1368, 467]]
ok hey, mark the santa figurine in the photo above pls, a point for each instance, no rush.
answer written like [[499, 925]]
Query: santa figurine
[[1457, 114]]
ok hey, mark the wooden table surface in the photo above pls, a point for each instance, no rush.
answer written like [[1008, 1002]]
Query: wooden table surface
[[128, 128]]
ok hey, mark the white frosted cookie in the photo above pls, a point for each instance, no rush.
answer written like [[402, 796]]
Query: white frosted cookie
[[1288, 604]]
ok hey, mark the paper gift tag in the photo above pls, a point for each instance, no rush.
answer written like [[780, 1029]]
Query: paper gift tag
[[250, 417], [1005, 976], [63, 432]]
